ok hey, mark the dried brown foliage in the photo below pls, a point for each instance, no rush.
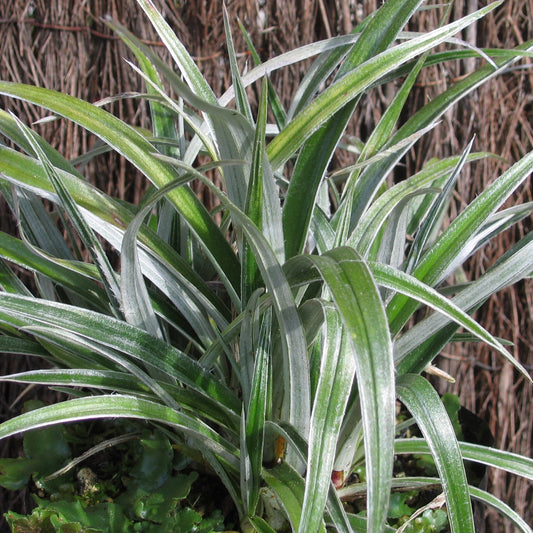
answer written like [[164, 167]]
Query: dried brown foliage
[[64, 45]]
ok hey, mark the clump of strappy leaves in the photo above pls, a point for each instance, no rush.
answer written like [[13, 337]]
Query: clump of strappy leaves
[[272, 336]]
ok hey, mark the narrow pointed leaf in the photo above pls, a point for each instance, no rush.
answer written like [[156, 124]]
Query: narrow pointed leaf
[[411, 353], [349, 86], [254, 198], [320, 147], [120, 406], [519, 465], [241, 99], [409, 285], [178, 52], [500, 506], [88, 238], [118, 335], [296, 408], [436, 263], [64, 274], [275, 104], [337, 370], [129, 143], [356, 296], [289, 488], [256, 413], [426, 407]]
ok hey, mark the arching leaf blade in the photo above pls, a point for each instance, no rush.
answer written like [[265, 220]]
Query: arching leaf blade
[[431, 417]]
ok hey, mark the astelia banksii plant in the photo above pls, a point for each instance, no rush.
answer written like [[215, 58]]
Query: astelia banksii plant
[[267, 338]]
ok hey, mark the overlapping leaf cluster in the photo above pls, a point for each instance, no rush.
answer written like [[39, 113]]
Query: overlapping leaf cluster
[[268, 336]]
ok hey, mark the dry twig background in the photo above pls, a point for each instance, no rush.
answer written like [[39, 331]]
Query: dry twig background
[[63, 45]]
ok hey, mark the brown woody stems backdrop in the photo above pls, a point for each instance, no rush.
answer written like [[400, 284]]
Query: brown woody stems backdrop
[[64, 45]]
